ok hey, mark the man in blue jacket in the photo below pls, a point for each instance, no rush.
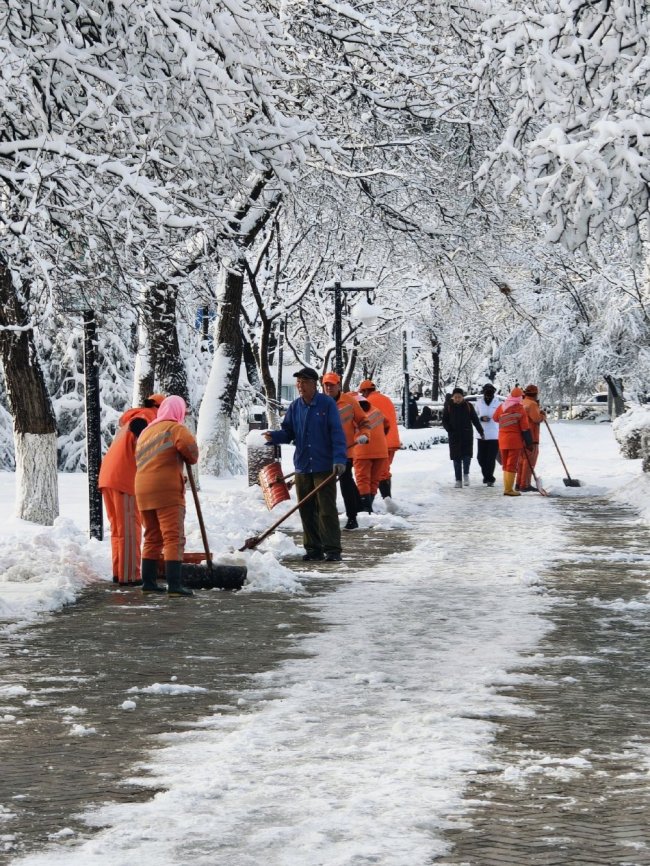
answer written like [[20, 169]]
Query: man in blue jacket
[[313, 424]]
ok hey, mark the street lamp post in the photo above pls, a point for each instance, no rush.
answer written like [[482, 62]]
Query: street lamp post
[[366, 312]]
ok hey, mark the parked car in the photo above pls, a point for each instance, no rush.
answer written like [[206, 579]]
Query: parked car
[[594, 408]]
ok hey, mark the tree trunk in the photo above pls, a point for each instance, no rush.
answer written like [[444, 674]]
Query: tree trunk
[[37, 497], [218, 402], [615, 396], [168, 367]]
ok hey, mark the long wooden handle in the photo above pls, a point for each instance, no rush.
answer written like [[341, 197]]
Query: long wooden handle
[[251, 543], [199, 514], [557, 447]]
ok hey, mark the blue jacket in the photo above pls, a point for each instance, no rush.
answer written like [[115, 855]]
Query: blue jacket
[[316, 430]]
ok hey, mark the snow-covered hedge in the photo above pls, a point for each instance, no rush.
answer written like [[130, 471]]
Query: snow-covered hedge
[[419, 440], [632, 432]]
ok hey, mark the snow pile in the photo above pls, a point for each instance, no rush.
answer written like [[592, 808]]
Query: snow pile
[[629, 429]]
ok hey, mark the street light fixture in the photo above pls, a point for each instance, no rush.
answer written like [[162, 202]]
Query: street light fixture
[[366, 312]]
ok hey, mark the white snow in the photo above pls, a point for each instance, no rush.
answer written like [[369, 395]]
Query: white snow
[[358, 751]]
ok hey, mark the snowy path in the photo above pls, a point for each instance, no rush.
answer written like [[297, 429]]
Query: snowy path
[[357, 753]]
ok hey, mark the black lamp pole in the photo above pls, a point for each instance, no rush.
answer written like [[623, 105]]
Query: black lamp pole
[[338, 338]]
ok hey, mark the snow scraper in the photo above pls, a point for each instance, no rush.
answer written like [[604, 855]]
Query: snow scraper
[[568, 481]]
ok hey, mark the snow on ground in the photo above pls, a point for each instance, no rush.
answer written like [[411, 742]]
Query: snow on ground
[[353, 754]]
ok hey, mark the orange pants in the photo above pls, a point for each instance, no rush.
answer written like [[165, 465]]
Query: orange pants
[[387, 476], [510, 459], [369, 472], [164, 532], [525, 472], [126, 534]]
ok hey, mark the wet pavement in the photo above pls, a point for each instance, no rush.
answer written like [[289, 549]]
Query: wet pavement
[[68, 739], [570, 783]]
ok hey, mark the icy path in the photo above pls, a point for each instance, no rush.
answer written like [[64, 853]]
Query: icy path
[[355, 754]]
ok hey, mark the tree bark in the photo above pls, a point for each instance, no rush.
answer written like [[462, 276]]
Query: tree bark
[[166, 361], [31, 408]]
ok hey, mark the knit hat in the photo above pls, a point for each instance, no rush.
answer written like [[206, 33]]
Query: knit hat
[[531, 390], [331, 379], [367, 385], [488, 387], [458, 391], [516, 392], [154, 400]]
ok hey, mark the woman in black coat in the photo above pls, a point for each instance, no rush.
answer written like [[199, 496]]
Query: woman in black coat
[[458, 416]]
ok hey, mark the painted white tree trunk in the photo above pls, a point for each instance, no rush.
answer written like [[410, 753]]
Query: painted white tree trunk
[[142, 370], [213, 449], [37, 491]]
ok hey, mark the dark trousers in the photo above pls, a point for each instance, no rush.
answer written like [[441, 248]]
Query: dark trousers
[[461, 467], [321, 531], [349, 491], [487, 456]]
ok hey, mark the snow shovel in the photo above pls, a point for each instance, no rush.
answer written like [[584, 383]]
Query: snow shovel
[[568, 481], [538, 481], [211, 575], [251, 543]]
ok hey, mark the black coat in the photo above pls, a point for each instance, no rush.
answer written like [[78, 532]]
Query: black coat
[[457, 419]]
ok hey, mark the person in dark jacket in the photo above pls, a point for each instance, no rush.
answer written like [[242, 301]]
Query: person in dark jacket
[[458, 416], [313, 424]]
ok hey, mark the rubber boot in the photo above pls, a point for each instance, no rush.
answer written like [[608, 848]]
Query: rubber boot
[[509, 483], [384, 488], [366, 503], [150, 576], [173, 574]]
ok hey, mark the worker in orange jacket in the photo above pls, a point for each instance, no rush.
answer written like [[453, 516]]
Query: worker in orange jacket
[[535, 417], [514, 436], [161, 453], [117, 484], [371, 458], [385, 405], [355, 426]]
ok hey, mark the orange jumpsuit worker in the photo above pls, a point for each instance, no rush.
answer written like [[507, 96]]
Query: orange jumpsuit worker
[[117, 484], [514, 435], [162, 450], [387, 409], [535, 418], [371, 458], [355, 426]]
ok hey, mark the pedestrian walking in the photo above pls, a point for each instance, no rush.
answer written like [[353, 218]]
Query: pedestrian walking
[[355, 426], [487, 448], [514, 435], [387, 408], [371, 457], [312, 422], [535, 417], [161, 453], [458, 417], [117, 484]]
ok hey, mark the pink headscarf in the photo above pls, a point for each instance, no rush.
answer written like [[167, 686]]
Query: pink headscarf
[[516, 396], [171, 409]]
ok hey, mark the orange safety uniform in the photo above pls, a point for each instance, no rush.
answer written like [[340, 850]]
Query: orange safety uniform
[[160, 487], [387, 409], [535, 418], [117, 484], [371, 460], [353, 419], [511, 420]]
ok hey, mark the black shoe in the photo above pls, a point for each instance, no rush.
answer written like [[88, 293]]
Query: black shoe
[[352, 523], [333, 557], [490, 483], [313, 557]]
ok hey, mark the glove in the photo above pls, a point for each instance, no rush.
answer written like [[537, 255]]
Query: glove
[[339, 469], [362, 440]]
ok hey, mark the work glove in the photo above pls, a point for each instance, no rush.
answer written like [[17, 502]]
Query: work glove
[[362, 440], [339, 469]]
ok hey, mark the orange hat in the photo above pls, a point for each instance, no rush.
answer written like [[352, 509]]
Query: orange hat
[[156, 399], [367, 385], [331, 379], [531, 390], [516, 392]]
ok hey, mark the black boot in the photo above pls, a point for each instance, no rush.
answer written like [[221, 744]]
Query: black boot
[[149, 569], [352, 523], [173, 575], [384, 488], [366, 504]]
